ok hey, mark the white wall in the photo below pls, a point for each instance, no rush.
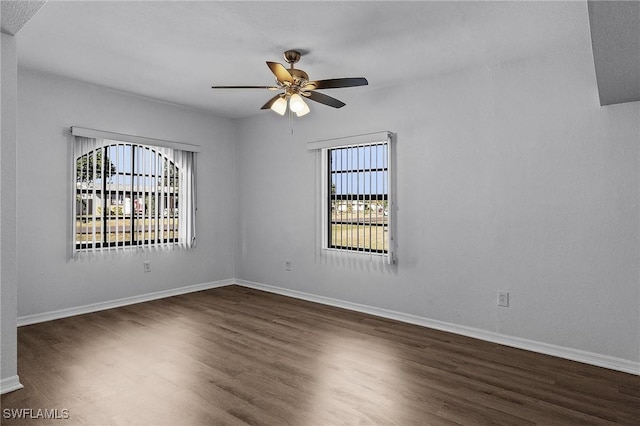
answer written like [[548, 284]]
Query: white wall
[[48, 280], [8, 274], [510, 177]]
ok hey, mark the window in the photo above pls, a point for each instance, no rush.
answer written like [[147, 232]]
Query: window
[[129, 194], [356, 197]]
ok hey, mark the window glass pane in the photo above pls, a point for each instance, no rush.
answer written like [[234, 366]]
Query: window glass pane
[[126, 194], [358, 192]]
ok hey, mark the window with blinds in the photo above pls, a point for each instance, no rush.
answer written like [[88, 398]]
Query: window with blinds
[[358, 197], [130, 194], [126, 194]]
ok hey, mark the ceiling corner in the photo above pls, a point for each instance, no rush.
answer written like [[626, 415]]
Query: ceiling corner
[[615, 40], [16, 13]]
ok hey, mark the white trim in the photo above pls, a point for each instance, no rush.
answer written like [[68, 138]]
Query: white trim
[[101, 134], [350, 140], [354, 253], [10, 384], [101, 306], [391, 203], [585, 357]]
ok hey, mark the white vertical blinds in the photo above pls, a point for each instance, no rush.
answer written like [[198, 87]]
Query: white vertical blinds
[[131, 195]]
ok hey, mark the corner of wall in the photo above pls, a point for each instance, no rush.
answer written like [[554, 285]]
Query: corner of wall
[[236, 199], [8, 214]]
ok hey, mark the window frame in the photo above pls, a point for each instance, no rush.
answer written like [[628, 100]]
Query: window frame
[[322, 148], [359, 198]]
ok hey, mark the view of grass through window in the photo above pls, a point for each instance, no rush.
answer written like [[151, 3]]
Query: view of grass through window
[[358, 197]]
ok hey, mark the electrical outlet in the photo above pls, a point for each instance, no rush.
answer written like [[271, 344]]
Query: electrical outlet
[[287, 265], [147, 266], [503, 299]]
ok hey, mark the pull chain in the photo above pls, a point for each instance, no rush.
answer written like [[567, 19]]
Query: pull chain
[[290, 118]]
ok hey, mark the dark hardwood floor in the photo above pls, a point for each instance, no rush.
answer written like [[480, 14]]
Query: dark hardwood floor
[[238, 356]]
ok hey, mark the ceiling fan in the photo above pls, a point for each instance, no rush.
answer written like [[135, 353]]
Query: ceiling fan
[[296, 86]]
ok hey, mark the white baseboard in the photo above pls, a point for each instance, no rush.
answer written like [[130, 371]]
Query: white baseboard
[[585, 357], [10, 384], [101, 306]]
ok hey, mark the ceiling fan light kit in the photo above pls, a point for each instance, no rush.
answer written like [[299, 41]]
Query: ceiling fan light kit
[[296, 86]]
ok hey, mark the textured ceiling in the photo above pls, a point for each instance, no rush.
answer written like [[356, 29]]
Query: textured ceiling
[[14, 14], [175, 51]]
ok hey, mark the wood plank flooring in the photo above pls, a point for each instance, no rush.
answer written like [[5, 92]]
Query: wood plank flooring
[[239, 356]]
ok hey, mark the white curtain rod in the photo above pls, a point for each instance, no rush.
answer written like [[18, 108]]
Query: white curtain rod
[[101, 134]]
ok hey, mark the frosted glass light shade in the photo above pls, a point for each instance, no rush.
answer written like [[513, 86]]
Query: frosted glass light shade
[[280, 106], [296, 103], [304, 110]]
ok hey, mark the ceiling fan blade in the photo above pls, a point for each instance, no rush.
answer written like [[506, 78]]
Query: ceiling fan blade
[[271, 102], [280, 72], [246, 87], [335, 83], [324, 99]]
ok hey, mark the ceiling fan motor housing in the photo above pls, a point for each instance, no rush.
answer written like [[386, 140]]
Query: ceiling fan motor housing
[[298, 74]]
